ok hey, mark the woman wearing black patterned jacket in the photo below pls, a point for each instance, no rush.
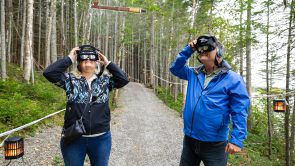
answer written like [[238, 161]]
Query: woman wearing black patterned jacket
[[87, 96]]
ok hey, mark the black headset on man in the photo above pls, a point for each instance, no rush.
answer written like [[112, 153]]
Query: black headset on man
[[207, 43]]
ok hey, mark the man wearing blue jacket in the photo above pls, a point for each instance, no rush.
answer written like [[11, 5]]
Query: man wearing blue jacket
[[215, 94]]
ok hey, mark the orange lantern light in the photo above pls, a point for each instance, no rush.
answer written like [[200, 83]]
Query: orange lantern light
[[13, 148], [279, 105]]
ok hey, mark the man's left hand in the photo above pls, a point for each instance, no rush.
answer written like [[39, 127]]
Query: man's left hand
[[231, 148]]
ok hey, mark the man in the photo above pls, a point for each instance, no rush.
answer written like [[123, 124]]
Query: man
[[215, 94]]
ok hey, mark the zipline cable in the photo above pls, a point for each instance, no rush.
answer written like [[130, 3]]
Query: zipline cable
[[29, 124]]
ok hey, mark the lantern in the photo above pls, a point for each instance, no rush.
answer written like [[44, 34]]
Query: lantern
[[279, 105], [13, 148]]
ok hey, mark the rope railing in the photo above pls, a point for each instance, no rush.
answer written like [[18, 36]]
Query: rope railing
[[291, 93], [169, 82], [7, 133]]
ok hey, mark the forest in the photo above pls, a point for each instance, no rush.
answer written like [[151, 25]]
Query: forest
[[258, 36]]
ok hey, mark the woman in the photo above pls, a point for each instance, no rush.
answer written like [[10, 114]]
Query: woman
[[87, 97]]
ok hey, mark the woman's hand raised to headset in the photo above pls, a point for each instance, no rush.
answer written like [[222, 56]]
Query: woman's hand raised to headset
[[73, 54], [103, 59]]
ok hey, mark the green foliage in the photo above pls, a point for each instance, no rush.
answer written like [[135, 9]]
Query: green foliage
[[58, 161], [21, 103], [168, 99]]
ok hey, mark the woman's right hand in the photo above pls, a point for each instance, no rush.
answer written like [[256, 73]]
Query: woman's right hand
[[73, 54]]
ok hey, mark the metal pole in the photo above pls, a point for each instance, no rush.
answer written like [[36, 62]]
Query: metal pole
[[116, 8]]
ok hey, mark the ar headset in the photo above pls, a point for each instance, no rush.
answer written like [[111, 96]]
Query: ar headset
[[88, 52], [207, 43]]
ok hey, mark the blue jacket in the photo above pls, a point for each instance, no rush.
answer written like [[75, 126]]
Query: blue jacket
[[208, 110]]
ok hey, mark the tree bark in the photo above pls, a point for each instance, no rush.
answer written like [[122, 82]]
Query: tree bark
[[107, 32], [151, 59], [53, 33], [29, 41], [48, 32], [9, 31], [292, 135], [22, 48], [62, 27], [269, 129], [287, 114], [3, 43], [75, 23], [40, 32], [241, 45], [248, 60]]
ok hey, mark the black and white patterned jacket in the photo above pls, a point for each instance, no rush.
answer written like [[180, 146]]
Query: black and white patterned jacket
[[96, 117]]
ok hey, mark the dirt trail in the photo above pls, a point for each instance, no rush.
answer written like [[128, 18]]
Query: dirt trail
[[147, 132]]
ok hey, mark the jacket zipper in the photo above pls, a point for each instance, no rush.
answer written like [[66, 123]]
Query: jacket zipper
[[90, 101], [193, 118], [90, 118]]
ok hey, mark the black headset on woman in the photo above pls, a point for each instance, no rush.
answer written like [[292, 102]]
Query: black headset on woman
[[88, 52]]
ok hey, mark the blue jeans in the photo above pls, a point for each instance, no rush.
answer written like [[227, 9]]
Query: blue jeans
[[211, 153], [97, 148]]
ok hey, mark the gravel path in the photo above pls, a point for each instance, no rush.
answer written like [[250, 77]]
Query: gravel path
[[145, 133]]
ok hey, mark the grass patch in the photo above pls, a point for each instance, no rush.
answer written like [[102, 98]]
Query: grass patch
[[168, 99], [22, 103], [57, 161]]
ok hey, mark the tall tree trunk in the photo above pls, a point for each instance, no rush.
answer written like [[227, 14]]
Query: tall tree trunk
[[269, 129], [144, 62], [116, 37], [123, 44], [10, 7], [75, 23], [241, 45], [29, 41], [248, 60], [107, 32], [62, 26], [22, 47], [40, 32], [151, 59], [138, 57], [160, 57], [53, 33], [3, 44], [48, 32], [89, 28], [211, 18], [292, 153], [287, 114]]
